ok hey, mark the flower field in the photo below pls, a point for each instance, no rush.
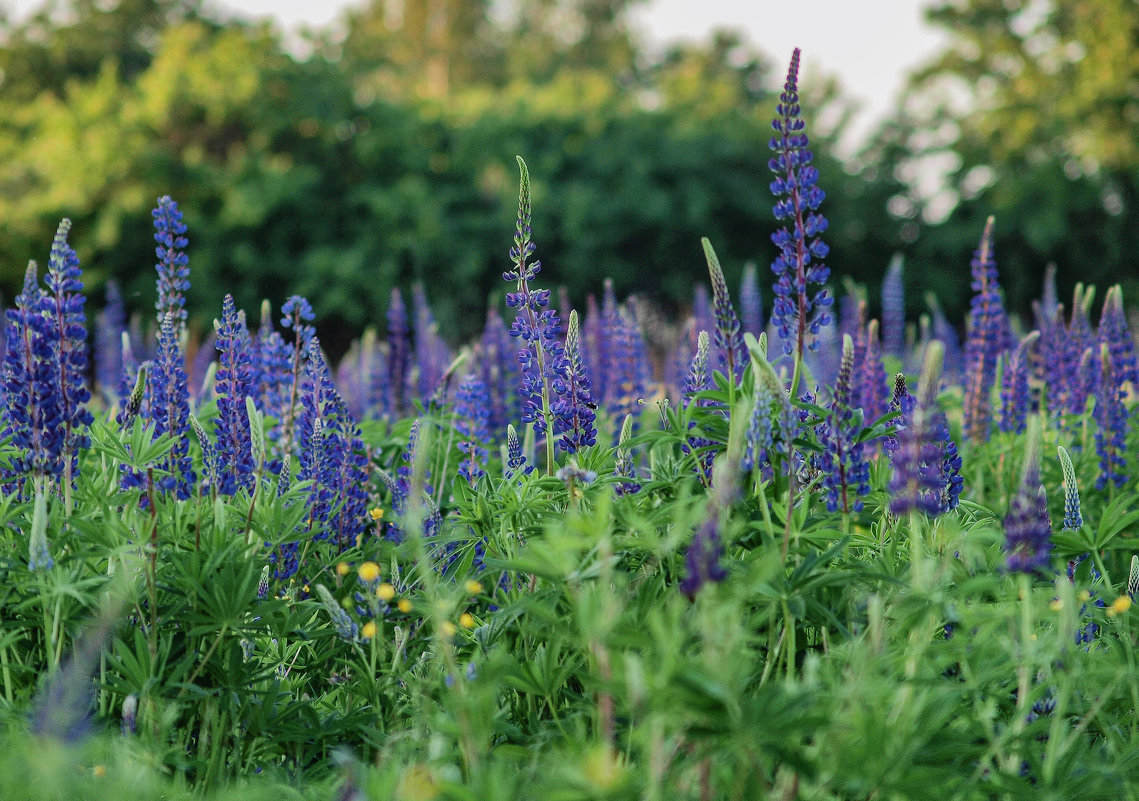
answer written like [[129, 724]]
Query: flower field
[[591, 555]]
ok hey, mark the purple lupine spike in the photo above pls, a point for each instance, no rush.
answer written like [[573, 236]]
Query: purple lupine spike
[[1114, 332], [498, 369], [516, 466], [432, 356], [704, 561], [871, 392], [1028, 529], [32, 409], [1078, 373], [845, 471], [593, 345], [894, 309], [627, 366], [625, 471], [699, 379], [801, 298], [170, 410], [110, 325], [321, 448], [728, 340], [373, 377], [296, 313], [851, 315], [1112, 423], [471, 413], [1052, 347], [751, 301], [986, 340], [826, 354], [573, 411], [350, 520], [759, 439], [1050, 300], [234, 382], [63, 305], [271, 371], [1014, 387], [129, 371], [919, 482], [173, 264], [541, 357], [399, 353], [605, 344]]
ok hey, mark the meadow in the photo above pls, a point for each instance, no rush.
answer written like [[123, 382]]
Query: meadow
[[816, 556]]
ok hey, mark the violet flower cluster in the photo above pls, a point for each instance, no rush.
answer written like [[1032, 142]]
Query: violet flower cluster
[[472, 405], [1028, 529], [573, 411], [234, 383], [845, 470], [986, 340]]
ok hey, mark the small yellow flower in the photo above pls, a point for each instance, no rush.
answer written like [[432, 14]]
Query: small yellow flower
[[385, 592], [1121, 604], [342, 569], [448, 628], [404, 605], [1056, 605], [473, 587], [99, 771], [1084, 596], [377, 514], [467, 620], [369, 571], [369, 630]]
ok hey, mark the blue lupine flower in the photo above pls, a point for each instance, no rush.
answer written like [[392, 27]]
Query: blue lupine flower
[[573, 411], [32, 413], [234, 382], [1112, 424], [350, 520], [399, 354], [629, 370], [801, 298], [845, 471], [759, 438], [173, 264], [170, 410], [1073, 519], [1028, 529], [498, 369], [986, 340], [272, 372], [625, 471], [432, 356], [870, 390], [945, 332], [702, 561], [515, 460], [1052, 348], [110, 325], [320, 452], [541, 357], [471, 410], [751, 302], [894, 310], [699, 379], [1077, 370], [1114, 332], [1014, 387], [296, 313], [728, 340]]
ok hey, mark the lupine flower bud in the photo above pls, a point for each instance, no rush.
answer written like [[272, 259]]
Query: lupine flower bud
[[1014, 387], [1028, 529], [1072, 517], [625, 470], [986, 341]]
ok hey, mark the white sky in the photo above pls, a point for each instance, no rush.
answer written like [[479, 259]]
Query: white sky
[[871, 44]]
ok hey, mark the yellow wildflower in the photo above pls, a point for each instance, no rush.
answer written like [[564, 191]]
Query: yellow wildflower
[[385, 592], [369, 571], [404, 605], [377, 514], [448, 628], [342, 569], [473, 587], [369, 630], [467, 620]]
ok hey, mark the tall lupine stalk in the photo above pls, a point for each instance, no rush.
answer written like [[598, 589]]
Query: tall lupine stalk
[[1028, 528], [699, 379], [728, 340], [945, 333], [894, 309], [110, 325], [170, 409], [574, 409], [625, 471], [845, 471], [541, 357], [399, 354], [173, 264], [751, 302], [801, 298], [1112, 424], [63, 306], [234, 384], [1073, 518], [472, 410], [1076, 370], [986, 341], [272, 377], [1015, 396], [629, 370], [432, 355], [296, 313], [871, 392], [1116, 335], [498, 370]]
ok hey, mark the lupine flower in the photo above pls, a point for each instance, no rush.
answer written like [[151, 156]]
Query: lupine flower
[[703, 562], [399, 354], [625, 471], [801, 298], [845, 471], [1076, 371], [986, 340], [1028, 529], [1073, 519], [759, 438], [1114, 333], [728, 340], [573, 411], [170, 411], [296, 313], [432, 355], [870, 391], [498, 369], [1133, 578], [894, 309], [515, 460], [234, 383], [541, 357], [320, 453], [699, 379], [271, 371], [31, 383], [945, 332], [173, 264], [1014, 387], [1112, 424], [471, 407], [629, 370], [1050, 299], [110, 325]]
